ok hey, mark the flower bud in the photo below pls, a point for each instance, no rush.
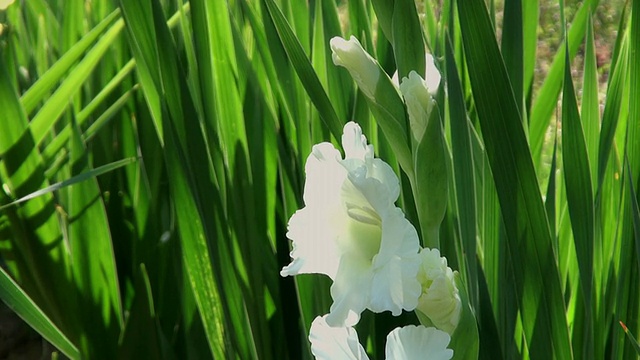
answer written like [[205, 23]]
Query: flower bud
[[440, 300], [432, 75], [363, 68], [419, 103]]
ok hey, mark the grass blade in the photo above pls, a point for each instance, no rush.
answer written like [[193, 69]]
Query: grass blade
[[536, 273], [89, 174], [48, 80], [590, 111], [546, 101], [579, 192], [304, 69], [464, 178], [56, 104], [92, 257], [19, 302]]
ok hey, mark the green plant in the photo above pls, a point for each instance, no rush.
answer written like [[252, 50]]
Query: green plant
[[152, 153]]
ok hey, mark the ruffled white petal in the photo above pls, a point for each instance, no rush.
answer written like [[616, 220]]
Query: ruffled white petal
[[350, 291], [334, 343], [395, 286], [313, 227], [418, 342], [440, 300], [313, 252], [355, 143]]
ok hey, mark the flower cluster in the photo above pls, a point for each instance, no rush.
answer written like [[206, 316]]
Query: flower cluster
[[351, 230]]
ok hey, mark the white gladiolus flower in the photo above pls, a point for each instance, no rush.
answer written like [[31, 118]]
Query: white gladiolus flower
[[440, 299], [351, 231], [431, 72], [406, 343], [363, 68], [419, 103]]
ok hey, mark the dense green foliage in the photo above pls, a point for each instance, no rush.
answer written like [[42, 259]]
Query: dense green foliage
[[152, 152]]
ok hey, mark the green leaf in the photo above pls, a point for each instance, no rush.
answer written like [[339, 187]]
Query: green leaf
[[631, 338], [546, 101], [463, 169], [141, 326], [305, 71], [34, 236], [512, 48], [616, 93], [530, 43], [465, 341], [633, 123], [579, 192], [431, 184], [384, 12], [143, 46], [19, 302], [190, 173], [590, 111], [48, 80], [92, 256], [57, 103], [86, 175], [541, 302], [407, 41], [635, 214]]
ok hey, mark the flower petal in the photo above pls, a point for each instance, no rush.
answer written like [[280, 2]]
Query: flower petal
[[324, 176], [432, 74], [418, 342], [419, 103], [334, 343], [314, 251], [355, 143], [350, 291], [395, 286], [314, 228]]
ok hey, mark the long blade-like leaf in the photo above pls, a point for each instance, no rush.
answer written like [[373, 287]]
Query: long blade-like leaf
[[17, 300], [541, 301]]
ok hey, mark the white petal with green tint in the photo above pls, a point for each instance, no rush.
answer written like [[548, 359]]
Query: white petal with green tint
[[440, 299], [417, 97]]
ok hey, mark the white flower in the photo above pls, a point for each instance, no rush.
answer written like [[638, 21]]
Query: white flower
[[440, 299], [406, 343], [334, 343], [431, 72], [419, 103], [351, 231], [363, 68]]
